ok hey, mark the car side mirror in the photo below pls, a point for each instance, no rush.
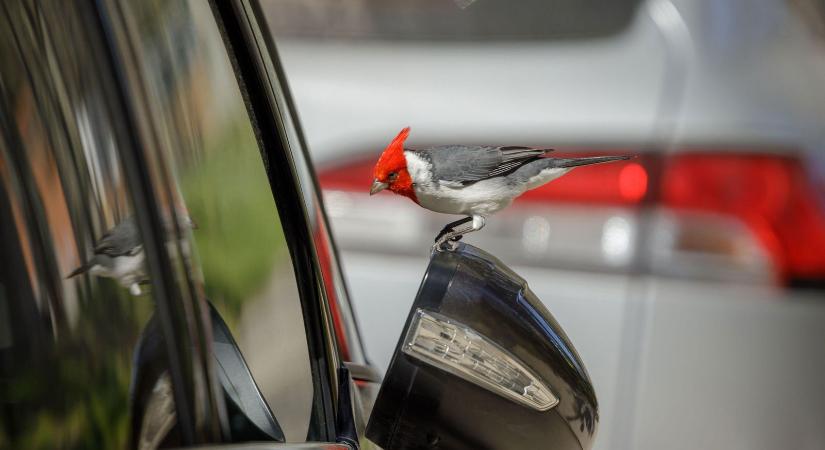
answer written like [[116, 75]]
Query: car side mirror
[[481, 363]]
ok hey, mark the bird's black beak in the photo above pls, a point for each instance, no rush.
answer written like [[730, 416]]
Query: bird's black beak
[[377, 186]]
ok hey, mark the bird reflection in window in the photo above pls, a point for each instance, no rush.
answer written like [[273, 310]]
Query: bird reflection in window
[[119, 254]]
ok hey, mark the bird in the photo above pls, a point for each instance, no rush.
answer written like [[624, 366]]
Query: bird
[[119, 253], [471, 180]]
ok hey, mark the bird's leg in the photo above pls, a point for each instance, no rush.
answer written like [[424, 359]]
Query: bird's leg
[[448, 238], [451, 227]]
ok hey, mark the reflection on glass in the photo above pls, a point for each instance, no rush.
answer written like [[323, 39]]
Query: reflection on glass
[[118, 255]]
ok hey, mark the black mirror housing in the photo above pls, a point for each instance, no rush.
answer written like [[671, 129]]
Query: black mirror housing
[[423, 404]]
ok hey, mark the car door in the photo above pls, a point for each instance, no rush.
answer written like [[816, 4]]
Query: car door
[[106, 128], [97, 348]]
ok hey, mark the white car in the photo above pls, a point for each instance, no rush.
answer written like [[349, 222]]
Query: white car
[[691, 278]]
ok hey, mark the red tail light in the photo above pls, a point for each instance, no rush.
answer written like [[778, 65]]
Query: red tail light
[[353, 176], [772, 195]]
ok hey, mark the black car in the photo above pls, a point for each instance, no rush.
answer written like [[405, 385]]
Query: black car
[[168, 278]]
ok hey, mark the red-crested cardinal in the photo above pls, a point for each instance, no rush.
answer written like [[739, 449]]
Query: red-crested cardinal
[[470, 180]]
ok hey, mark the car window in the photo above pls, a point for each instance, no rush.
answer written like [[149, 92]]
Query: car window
[[209, 162], [82, 361]]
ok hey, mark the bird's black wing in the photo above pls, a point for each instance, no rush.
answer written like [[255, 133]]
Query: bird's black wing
[[467, 164]]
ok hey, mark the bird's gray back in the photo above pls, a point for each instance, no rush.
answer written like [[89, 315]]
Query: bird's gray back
[[468, 164]]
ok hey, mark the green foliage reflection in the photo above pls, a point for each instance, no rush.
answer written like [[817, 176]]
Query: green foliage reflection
[[239, 237]]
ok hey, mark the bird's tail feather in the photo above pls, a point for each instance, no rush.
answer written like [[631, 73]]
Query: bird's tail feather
[[575, 162], [79, 270]]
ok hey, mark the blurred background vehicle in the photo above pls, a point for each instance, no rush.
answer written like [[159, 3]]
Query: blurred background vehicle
[[691, 279]]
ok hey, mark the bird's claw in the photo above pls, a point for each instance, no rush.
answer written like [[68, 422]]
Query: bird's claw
[[448, 244], [443, 233]]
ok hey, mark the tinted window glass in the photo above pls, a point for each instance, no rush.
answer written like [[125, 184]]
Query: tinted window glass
[[82, 363], [209, 161]]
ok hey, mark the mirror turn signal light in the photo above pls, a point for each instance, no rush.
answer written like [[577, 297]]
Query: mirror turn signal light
[[458, 349]]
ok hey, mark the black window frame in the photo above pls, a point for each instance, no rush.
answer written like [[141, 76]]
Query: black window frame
[[260, 79]]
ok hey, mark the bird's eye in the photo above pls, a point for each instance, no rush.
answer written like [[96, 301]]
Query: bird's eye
[[392, 176]]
